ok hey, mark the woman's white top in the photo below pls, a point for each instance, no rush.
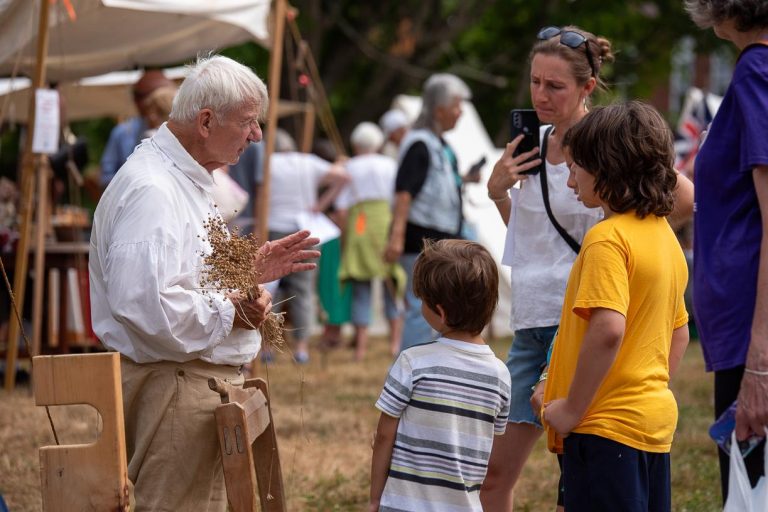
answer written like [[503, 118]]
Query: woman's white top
[[538, 257]]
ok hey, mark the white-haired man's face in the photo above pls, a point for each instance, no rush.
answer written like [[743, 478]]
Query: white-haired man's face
[[228, 139]]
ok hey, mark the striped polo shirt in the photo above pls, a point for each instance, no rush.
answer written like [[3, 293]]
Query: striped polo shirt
[[451, 398]]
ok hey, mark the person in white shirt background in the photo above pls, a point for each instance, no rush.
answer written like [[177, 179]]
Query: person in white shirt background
[[293, 198], [365, 209]]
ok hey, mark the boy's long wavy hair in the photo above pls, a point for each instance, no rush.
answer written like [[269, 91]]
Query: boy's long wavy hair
[[628, 148]]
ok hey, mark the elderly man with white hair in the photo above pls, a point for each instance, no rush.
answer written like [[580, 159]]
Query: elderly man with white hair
[[365, 208], [147, 246], [427, 191]]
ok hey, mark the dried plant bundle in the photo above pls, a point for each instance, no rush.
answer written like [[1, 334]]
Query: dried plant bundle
[[229, 269]]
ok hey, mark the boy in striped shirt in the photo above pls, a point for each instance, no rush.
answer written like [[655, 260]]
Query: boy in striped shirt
[[443, 401]]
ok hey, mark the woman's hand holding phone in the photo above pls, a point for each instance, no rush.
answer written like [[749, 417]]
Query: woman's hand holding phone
[[473, 174], [511, 169], [525, 121]]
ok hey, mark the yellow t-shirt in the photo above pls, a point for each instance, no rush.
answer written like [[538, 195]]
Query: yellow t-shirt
[[636, 267]]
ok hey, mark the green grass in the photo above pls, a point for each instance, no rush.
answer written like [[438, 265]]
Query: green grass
[[325, 420]]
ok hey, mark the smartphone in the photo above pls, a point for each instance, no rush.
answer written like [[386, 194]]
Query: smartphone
[[526, 122], [477, 166], [721, 430]]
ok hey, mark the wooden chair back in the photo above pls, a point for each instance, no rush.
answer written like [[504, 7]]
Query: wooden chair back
[[85, 477]]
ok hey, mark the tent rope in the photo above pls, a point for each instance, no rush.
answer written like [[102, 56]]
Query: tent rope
[[26, 340], [316, 89]]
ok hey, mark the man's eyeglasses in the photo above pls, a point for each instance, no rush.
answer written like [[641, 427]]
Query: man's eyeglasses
[[570, 39]]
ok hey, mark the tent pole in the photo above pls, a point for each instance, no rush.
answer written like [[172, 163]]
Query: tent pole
[[308, 131], [275, 67], [27, 195], [42, 215]]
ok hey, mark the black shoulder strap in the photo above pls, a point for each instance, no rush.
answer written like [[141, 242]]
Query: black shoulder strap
[[573, 244]]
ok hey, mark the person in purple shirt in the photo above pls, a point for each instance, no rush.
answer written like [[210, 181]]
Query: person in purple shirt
[[731, 226]]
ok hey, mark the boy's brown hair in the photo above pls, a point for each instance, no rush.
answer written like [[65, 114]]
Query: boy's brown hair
[[462, 278], [629, 149]]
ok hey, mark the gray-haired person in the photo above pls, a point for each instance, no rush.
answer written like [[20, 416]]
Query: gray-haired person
[[427, 191], [145, 258], [730, 291]]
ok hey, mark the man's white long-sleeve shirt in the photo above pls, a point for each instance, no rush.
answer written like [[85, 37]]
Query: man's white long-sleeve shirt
[[147, 244]]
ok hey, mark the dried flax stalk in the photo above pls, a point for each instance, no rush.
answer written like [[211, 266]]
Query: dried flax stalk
[[228, 269]]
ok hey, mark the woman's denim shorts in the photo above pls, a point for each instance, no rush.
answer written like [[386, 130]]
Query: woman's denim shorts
[[526, 359]]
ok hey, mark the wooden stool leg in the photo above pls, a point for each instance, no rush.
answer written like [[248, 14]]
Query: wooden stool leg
[[248, 447], [267, 460], [236, 457]]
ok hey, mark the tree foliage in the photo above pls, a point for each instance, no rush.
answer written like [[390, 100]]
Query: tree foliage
[[368, 52]]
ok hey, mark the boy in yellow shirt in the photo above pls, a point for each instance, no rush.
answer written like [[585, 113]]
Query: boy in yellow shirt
[[623, 329]]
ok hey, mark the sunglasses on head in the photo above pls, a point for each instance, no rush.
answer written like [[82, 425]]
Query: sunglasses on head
[[570, 39]]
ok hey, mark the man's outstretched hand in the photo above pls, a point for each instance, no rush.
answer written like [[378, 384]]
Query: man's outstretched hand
[[286, 255]]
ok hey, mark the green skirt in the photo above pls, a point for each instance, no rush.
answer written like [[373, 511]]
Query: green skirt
[[335, 298]]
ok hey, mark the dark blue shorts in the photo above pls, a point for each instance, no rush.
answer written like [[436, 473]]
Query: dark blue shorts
[[603, 475]]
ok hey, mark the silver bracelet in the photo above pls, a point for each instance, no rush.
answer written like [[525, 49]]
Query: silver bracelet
[[762, 373], [498, 199]]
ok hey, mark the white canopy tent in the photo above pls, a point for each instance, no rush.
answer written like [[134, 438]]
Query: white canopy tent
[[470, 140], [107, 95], [98, 36], [108, 35]]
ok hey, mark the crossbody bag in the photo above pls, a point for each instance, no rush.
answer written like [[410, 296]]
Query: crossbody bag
[[573, 244]]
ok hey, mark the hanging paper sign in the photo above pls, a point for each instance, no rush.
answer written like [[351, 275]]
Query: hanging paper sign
[[46, 138]]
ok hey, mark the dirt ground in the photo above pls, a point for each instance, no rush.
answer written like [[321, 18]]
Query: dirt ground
[[325, 418]]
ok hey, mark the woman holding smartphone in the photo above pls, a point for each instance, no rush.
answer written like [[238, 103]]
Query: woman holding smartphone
[[565, 71]]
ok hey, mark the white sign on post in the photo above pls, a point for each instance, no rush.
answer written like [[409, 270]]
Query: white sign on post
[[46, 138]]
